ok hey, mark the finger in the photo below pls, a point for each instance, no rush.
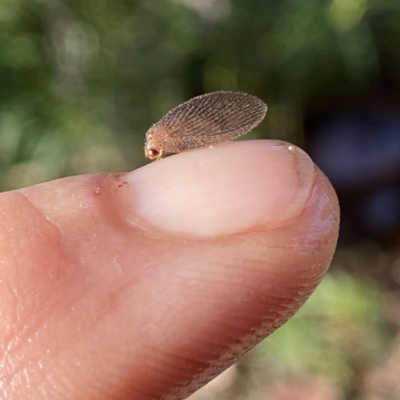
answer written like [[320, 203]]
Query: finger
[[152, 282]]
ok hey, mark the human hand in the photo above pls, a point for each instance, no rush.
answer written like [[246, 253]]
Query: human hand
[[147, 285]]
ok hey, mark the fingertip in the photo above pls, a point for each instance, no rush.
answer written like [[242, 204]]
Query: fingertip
[[220, 191]]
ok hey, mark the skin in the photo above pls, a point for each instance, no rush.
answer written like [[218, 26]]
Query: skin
[[147, 285]]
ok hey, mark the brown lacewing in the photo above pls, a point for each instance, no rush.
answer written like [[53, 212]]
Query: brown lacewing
[[205, 120]]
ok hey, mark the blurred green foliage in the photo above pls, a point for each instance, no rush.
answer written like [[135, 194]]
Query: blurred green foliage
[[337, 334], [82, 80]]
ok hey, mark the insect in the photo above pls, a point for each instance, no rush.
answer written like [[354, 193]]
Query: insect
[[204, 120]]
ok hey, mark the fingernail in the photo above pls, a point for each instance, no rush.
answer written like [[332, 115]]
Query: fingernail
[[229, 189]]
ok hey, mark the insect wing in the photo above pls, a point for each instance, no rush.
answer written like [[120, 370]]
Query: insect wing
[[210, 119]]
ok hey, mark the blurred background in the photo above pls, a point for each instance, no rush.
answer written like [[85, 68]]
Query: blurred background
[[82, 80]]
